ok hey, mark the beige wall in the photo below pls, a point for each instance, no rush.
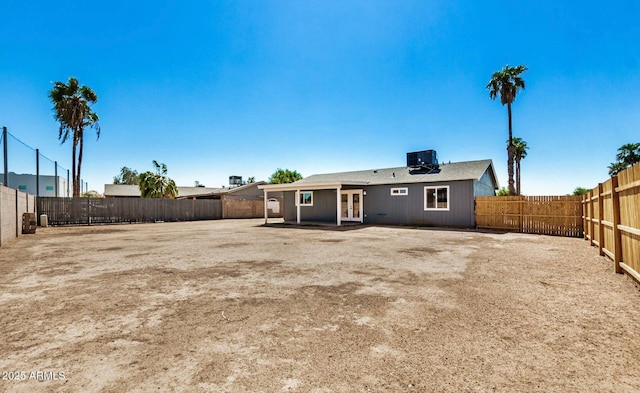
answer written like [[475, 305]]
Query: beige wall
[[11, 212], [247, 208]]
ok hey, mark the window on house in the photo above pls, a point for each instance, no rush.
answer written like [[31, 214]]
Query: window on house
[[398, 191], [306, 198], [436, 198]]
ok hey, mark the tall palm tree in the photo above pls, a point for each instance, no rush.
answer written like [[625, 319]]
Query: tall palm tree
[[519, 152], [72, 106], [506, 83]]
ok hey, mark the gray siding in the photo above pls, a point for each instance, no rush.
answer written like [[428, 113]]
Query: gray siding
[[382, 208], [289, 212], [323, 209], [485, 186]]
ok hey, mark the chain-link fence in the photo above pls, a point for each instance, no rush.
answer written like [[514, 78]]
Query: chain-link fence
[[26, 169]]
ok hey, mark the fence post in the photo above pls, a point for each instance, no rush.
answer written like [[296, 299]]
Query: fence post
[[585, 212], [600, 216], [617, 235], [6, 166], [18, 226], [520, 220], [88, 212], [1, 192], [55, 165], [591, 226]]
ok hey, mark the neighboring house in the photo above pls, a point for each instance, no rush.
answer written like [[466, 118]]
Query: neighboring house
[[133, 191], [433, 195], [237, 202], [27, 182]]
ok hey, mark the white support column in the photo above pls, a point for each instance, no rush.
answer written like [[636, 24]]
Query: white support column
[[338, 208], [298, 206], [266, 211]]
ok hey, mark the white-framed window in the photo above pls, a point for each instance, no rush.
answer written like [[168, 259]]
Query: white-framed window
[[306, 198], [436, 198], [400, 191]]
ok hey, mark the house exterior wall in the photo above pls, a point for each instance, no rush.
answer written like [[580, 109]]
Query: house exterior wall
[[248, 193], [484, 186], [380, 207], [323, 209]]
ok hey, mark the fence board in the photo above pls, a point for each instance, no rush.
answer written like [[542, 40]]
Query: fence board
[[620, 199], [547, 215], [78, 211]]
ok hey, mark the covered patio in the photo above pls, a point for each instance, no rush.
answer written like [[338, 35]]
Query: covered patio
[[304, 196]]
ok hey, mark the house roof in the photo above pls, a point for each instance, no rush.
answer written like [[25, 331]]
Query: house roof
[[467, 170], [128, 190], [457, 171]]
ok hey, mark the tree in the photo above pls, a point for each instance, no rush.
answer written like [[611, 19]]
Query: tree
[[580, 191], [519, 152], [91, 194], [503, 192], [126, 176], [628, 155], [157, 184], [506, 83], [281, 176], [72, 106], [251, 179]]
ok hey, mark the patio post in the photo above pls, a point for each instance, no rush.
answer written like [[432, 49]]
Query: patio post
[[338, 202]]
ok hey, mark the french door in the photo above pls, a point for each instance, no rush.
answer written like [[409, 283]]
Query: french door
[[351, 205]]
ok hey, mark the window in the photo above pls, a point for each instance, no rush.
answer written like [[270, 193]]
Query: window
[[400, 191], [306, 198], [436, 198]]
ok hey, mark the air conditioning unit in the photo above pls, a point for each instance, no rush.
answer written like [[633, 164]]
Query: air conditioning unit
[[425, 159]]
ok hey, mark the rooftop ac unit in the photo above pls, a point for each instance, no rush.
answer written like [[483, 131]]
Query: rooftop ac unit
[[425, 159]]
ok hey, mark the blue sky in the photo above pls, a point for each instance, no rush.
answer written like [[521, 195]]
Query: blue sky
[[220, 88]]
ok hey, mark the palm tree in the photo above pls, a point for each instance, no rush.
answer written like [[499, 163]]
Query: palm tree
[[72, 106], [158, 184], [506, 83], [519, 151]]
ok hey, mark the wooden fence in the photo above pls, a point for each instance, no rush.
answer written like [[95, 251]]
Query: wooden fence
[[612, 220], [546, 215], [75, 211]]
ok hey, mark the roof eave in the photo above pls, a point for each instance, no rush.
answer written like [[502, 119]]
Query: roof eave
[[310, 185]]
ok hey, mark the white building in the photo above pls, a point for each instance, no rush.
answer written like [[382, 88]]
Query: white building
[[26, 182]]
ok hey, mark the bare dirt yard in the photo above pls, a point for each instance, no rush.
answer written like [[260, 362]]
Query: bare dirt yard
[[234, 306]]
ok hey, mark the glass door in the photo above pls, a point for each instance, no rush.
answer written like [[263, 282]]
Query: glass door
[[351, 205]]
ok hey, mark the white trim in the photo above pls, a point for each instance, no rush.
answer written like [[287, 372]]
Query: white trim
[[266, 212], [310, 186], [301, 194], [437, 208], [400, 191], [350, 194], [297, 206], [338, 204]]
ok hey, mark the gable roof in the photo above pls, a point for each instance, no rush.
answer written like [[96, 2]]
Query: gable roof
[[455, 171], [127, 190]]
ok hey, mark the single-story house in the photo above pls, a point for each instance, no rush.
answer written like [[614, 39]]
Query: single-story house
[[243, 201], [417, 194]]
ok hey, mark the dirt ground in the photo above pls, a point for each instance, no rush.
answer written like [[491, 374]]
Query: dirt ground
[[233, 306]]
